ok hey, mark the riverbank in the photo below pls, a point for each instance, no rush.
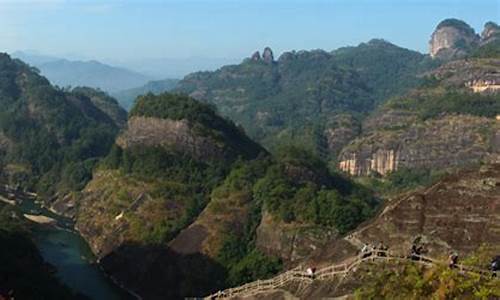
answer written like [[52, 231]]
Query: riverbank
[[62, 246], [7, 201], [40, 219]]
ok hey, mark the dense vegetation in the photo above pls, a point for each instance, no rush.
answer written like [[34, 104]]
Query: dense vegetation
[[242, 261], [22, 270], [52, 137], [402, 180], [298, 189], [175, 178], [104, 102], [410, 281], [435, 102], [459, 24], [283, 102], [490, 50], [301, 189], [386, 69]]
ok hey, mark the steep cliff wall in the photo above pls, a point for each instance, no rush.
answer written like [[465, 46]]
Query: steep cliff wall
[[458, 213], [451, 39], [439, 143], [291, 242], [174, 135]]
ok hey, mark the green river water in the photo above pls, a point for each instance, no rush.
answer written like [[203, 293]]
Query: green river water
[[66, 250]]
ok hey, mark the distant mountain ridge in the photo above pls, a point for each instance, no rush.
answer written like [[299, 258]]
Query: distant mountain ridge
[[128, 96], [64, 72], [286, 100]]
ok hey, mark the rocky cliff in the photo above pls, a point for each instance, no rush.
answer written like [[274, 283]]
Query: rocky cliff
[[449, 121], [175, 135], [452, 39], [156, 181], [458, 213], [291, 242], [439, 143]]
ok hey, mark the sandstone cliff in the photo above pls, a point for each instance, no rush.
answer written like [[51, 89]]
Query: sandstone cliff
[[291, 242], [459, 213], [452, 38], [438, 143], [176, 135]]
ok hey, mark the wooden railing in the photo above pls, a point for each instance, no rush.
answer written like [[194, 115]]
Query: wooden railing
[[329, 272]]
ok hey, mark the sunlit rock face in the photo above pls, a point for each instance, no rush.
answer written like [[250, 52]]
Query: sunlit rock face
[[440, 143], [171, 134], [452, 39]]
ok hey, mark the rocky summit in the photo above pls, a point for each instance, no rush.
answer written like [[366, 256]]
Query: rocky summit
[[452, 38], [456, 39]]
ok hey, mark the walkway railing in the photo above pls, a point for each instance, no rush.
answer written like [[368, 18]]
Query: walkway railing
[[332, 271]]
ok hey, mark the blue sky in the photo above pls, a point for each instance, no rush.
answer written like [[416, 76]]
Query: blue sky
[[126, 30]]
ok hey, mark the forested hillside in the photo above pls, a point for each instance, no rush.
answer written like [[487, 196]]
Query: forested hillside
[[178, 167], [296, 98], [50, 139]]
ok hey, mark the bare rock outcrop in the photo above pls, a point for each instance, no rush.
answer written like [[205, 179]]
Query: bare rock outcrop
[[452, 39], [458, 213], [267, 55], [291, 242], [255, 56], [439, 143], [178, 136]]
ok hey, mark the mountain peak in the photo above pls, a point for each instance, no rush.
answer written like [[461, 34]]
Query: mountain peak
[[268, 55], [490, 32], [452, 38]]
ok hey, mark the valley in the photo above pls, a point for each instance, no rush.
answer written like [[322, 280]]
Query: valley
[[233, 183]]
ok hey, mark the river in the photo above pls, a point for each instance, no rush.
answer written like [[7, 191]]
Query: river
[[68, 252]]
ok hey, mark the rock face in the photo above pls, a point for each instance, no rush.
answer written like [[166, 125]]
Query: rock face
[[479, 75], [174, 135], [255, 56], [439, 143], [267, 55], [340, 131], [290, 242], [458, 213], [452, 39], [491, 32]]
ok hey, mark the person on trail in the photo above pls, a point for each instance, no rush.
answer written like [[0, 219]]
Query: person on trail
[[415, 252], [495, 265], [453, 260], [310, 272]]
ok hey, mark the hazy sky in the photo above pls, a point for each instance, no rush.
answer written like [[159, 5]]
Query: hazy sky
[[133, 29]]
